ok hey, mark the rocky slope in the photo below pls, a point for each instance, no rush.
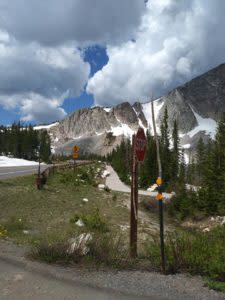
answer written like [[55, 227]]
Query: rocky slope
[[196, 106]]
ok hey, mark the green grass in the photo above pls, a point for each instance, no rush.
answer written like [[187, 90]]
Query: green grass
[[193, 252], [47, 213]]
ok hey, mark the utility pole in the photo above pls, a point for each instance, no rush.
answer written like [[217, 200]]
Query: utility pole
[[159, 197]]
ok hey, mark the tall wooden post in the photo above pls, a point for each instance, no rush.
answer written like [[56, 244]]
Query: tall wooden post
[[134, 203]]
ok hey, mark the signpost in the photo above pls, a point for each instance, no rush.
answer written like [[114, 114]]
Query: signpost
[[75, 156], [139, 142]]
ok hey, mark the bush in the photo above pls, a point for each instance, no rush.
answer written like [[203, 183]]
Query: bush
[[3, 232], [56, 252], [107, 189], [103, 249], [92, 221], [197, 253], [114, 197], [109, 250]]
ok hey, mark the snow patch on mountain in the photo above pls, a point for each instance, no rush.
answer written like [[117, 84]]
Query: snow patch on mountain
[[122, 129], [207, 125], [147, 110], [140, 123], [107, 109], [46, 127]]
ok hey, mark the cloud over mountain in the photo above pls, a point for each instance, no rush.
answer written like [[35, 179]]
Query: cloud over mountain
[[175, 41]]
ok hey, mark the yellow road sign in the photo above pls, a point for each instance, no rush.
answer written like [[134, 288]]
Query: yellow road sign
[[75, 148], [75, 155]]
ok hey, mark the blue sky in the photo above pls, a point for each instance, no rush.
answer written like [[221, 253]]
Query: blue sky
[[97, 58]]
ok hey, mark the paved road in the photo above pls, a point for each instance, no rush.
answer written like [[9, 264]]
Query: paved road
[[115, 184], [18, 283], [9, 172]]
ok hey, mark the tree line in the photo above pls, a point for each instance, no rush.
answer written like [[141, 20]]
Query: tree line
[[205, 170], [24, 142], [171, 158]]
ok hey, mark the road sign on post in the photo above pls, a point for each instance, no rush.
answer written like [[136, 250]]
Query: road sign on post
[[139, 142], [75, 149]]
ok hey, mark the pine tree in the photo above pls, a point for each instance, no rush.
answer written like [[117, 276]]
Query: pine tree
[[45, 146], [165, 147], [175, 151], [201, 161]]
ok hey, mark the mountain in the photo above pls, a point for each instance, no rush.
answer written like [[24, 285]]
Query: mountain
[[196, 105]]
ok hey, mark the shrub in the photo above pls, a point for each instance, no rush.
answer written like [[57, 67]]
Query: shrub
[[110, 250], [114, 197], [198, 253], [92, 221], [3, 232], [107, 189]]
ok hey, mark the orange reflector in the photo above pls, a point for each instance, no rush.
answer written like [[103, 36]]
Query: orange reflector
[[159, 197], [159, 181]]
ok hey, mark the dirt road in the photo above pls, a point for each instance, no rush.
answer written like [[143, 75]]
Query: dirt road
[[115, 184]]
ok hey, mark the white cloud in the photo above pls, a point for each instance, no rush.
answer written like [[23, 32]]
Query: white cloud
[[175, 41], [38, 49], [40, 109], [31, 76], [55, 22]]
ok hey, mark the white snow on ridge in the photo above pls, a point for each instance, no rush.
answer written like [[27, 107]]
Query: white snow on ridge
[[147, 110], [139, 121], [122, 129], [107, 109], [204, 124], [15, 162], [45, 126]]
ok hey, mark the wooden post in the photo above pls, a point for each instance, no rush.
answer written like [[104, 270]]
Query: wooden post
[[134, 203], [74, 165]]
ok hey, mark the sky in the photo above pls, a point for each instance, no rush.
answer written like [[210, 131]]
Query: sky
[[58, 56]]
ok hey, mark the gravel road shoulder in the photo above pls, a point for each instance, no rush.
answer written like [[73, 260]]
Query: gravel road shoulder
[[136, 283]]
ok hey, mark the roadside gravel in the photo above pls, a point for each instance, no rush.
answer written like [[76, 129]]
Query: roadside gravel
[[136, 283]]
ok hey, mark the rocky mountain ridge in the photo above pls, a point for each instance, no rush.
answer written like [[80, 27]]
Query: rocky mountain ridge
[[196, 105]]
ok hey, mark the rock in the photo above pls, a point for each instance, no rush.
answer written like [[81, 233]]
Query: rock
[[206, 229], [26, 231], [105, 174], [85, 200], [79, 244], [79, 223], [223, 221], [101, 186]]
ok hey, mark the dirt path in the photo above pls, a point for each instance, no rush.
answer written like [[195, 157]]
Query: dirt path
[[115, 184]]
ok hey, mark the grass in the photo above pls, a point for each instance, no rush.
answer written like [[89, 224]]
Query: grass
[[193, 252], [46, 214], [48, 217]]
